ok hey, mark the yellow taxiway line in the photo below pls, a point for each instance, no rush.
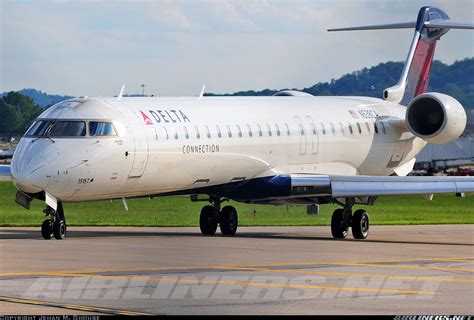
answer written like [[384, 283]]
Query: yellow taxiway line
[[401, 266], [374, 263], [350, 274]]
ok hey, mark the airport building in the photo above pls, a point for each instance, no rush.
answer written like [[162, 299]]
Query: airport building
[[442, 156]]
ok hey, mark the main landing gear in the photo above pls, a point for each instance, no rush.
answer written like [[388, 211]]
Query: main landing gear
[[212, 215], [55, 226], [343, 218]]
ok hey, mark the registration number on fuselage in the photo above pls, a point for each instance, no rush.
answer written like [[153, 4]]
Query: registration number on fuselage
[[364, 114], [84, 180]]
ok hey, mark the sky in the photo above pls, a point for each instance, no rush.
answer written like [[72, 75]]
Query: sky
[[174, 47]]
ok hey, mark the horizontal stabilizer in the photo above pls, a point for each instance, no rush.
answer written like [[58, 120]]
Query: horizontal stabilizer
[[448, 24], [433, 24], [401, 25]]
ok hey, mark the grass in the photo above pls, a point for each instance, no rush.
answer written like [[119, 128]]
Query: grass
[[180, 211]]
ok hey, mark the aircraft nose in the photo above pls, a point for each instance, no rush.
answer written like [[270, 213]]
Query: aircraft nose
[[28, 169], [29, 180]]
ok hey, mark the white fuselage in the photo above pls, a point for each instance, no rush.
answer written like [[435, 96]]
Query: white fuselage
[[170, 144]]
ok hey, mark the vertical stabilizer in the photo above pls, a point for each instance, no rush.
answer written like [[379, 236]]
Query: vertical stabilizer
[[415, 75], [432, 23]]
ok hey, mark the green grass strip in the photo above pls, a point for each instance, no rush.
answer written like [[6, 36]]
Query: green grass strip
[[180, 211]]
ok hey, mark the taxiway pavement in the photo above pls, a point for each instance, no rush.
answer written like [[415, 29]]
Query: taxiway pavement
[[261, 270]]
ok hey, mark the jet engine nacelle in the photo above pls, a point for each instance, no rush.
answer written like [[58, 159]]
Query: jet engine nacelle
[[436, 117]]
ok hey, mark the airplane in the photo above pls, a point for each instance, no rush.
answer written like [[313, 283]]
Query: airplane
[[7, 154], [291, 148]]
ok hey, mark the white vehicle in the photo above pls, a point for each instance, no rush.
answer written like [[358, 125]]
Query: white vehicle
[[292, 148]]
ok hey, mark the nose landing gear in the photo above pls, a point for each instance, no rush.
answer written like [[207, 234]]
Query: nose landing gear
[[55, 225], [212, 215]]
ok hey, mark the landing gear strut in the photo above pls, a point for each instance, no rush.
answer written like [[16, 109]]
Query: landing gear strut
[[342, 219], [55, 225], [212, 215]]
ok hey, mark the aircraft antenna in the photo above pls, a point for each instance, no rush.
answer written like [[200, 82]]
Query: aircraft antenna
[[202, 91], [120, 95]]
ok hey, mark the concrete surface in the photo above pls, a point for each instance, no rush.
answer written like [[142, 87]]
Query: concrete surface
[[271, 270]]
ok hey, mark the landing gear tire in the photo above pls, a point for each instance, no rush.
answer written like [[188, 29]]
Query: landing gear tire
[[360, 224], [337, 225], [47, 229], [208, 220], [229, 221], [59, 229]]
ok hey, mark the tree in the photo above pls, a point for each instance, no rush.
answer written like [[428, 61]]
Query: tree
[[9, 119], [17, 112]]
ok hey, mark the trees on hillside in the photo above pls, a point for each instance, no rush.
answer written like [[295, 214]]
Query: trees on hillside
[[17, 112], [456, 80]]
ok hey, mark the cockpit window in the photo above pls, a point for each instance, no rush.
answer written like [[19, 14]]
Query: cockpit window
[[98, 128], [39, 128], [67, 129]]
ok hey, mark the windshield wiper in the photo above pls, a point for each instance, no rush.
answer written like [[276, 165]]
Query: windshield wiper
[[44, 136]]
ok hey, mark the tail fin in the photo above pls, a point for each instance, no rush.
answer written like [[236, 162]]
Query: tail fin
[[432, 23]]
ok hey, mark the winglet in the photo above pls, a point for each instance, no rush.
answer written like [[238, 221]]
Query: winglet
[[120, 95]]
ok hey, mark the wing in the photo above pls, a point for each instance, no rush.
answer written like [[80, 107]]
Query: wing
[[360, 186]]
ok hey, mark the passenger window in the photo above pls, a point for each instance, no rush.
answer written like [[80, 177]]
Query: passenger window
[[229, 132], [288, 132], [175, 133], [208, 132], [186, 134], [322, 127], [260, 133], [333, 130], [68, 129], [269, 130], [219, 134], [313, 126], [350, 129], [198, 135], [301, 129], [342, 128], [359, 128], [239, 131], [165, 133], [376, 128], [383, 128], [100, 128], [277, 129], [249, 129], [368, 127]]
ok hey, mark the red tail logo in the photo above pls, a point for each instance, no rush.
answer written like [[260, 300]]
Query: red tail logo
[[147, 120]]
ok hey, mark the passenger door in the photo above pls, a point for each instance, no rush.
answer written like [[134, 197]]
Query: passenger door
[[140, 151]]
